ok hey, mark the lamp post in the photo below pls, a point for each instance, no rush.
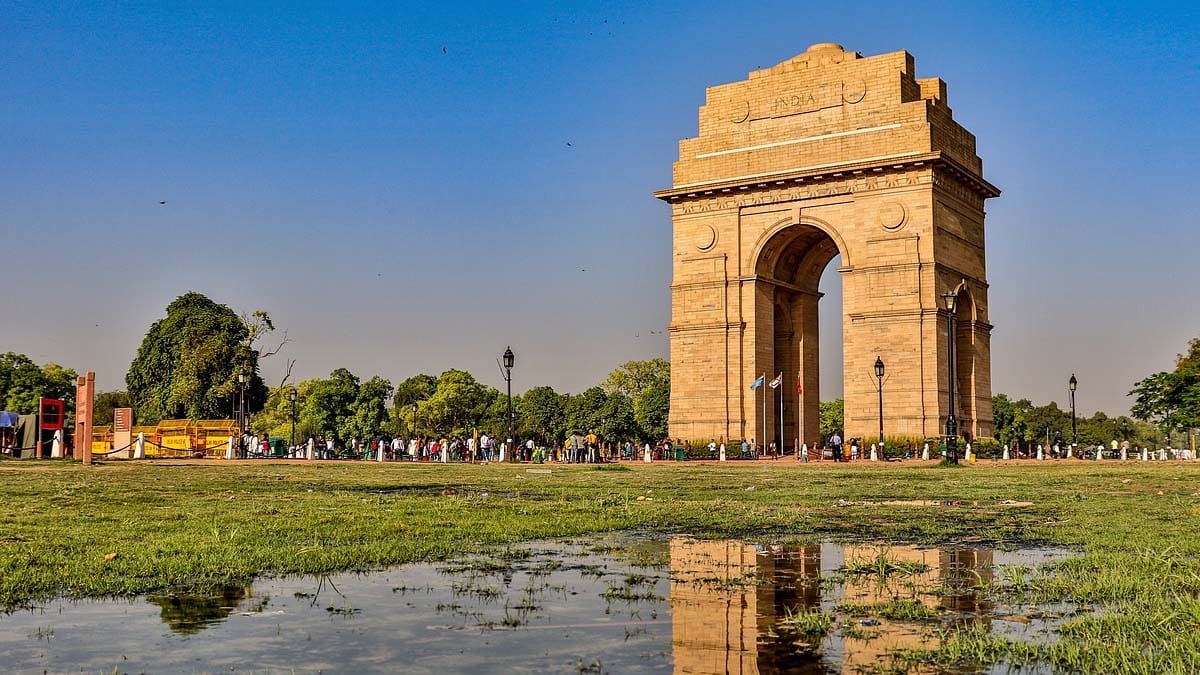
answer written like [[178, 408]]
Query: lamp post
[[879, 377], [414, 424], [292, 397], [509, 360], [951, 300], [1072, 385], [241, 414]]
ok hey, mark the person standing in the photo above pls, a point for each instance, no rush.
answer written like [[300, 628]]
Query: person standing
[[835, 444]]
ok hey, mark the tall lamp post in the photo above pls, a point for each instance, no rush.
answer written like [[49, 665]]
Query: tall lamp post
[[951, 300], [509, 360], [241, 412], [414, 426], [1072, 385], [292, 397], [879, 377]]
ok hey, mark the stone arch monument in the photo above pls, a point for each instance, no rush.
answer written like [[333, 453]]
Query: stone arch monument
[[828, 154]]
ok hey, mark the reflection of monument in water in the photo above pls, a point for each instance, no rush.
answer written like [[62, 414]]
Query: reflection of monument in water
[[727, 597], [187, 613]]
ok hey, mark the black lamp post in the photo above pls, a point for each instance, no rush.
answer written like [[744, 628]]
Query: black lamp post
[[292, 397], [241, 413], [509, 360], [879, 377], [1072, 385], [414, 426], [951, 299]]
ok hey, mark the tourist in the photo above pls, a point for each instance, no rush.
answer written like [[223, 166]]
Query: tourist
[[745, 449], [835, 444]]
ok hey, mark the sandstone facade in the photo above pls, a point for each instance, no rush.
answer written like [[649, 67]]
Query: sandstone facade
[[827, 154]]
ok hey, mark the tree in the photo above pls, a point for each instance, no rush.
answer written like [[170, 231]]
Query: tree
[[106, 403], [22, 383], [329, 403], [414, 389], [368, 413], [633, 377], [544, 416], [456, 407], [832, 417], [188, 363], [650, 410], [584, 410], [1171, 399]]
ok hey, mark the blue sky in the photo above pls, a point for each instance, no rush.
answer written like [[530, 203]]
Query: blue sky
[[400, 208]]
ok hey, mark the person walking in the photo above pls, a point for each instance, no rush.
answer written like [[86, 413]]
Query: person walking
[[835, 444]]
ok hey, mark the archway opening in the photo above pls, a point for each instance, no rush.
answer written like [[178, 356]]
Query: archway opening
[[964, 364], [791, 267]]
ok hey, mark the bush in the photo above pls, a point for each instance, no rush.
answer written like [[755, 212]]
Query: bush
[[986, 448]]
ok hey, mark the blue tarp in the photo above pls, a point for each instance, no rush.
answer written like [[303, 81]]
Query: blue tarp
[[8, 419]]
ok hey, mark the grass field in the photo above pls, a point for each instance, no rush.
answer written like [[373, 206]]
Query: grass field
[[1136, 528]]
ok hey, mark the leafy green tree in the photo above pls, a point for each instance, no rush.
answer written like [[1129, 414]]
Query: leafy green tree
[[22, 383], [188, 363], [368, 413], [634, 377], [544, 416], [329, 403], [615, 421], [650, 410], [1171, 399], [414, 389], [831, 416], [456, 407], [585, 410], [106, 403]]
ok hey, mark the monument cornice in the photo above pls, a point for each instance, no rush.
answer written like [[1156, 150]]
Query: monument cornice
[[830, 173]]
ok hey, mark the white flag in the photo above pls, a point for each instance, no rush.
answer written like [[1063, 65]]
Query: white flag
[[777, 381]]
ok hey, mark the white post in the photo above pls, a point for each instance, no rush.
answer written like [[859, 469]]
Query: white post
[[1039, 452], [804, 452], [722, 452], [968, 453], [1006, 452], [503, 448], [56, 446], [647, 457], [874, 454], [311, 448], [1070, 451], [229, 448], [379, 452], [1162, 455], [139, 446], [1143, 454], [1056, 450], [925, 452], [1124, 453], [1099, 452]]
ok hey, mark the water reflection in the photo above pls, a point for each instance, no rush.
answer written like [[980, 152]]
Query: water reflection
[[619, 603], [728, 597], [192, 612]]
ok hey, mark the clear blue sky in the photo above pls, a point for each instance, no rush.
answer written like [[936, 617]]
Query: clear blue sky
[[400, 208]]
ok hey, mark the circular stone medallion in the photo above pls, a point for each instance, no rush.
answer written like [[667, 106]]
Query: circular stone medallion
[[707, 238], [853, 90], [892, 216]]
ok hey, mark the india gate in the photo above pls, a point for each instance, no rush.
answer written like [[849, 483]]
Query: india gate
[[828, 154]]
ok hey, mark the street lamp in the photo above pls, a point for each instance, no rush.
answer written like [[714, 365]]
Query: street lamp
[[241, 416], [951, 300], [879, 377], [509, 360], [292, 397], [1072, 385], [414, 424]]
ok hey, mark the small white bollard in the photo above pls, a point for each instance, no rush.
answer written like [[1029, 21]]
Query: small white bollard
[[1124, 454], [804, 452], [1006, 452], [925, 452], [379, 454], [874, 454], [229, 448], [722, 452], [968, 453], [646, 456], [1070, 451], [1039, 452], [56, 445], [1099, 452], [1162, 455], [1143, 454], [139, 446], [310, 449], [503, 451]]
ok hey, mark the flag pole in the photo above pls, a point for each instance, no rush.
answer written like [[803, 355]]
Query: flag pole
[[782, 439], [765, 430]]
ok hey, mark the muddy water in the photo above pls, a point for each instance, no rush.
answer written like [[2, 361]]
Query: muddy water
[[620, 604]]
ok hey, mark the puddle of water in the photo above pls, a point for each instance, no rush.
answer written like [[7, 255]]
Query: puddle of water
[[615, 604]]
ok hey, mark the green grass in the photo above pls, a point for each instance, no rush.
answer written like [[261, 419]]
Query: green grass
[[898, 610], [811, 623], [1135, 529]]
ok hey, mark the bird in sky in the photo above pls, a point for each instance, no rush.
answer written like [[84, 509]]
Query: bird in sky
[[443, 50], [163, 202]]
